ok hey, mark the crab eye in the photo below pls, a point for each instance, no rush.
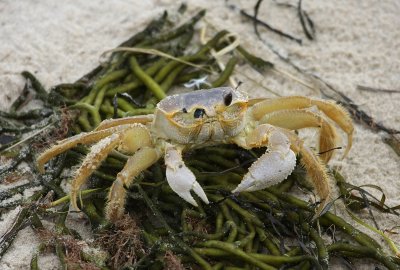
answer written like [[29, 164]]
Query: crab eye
[[228, 99], [184, 110], [199, 113]]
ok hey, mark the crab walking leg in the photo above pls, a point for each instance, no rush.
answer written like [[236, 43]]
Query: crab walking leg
[[82, 138], [273, 166], [297, 119], [129, 140], [315, 169], [317, 175], [180, 178], [62, 146], [140, 161], [334, 111], [92, 161], [140, 119]]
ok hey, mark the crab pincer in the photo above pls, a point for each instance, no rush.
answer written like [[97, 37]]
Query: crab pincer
[[272, 167], [180, 178]]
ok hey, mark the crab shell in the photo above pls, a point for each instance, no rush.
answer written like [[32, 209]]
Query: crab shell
[[199, 117]]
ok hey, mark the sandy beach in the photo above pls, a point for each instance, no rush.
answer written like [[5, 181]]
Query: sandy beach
[[357, 43]]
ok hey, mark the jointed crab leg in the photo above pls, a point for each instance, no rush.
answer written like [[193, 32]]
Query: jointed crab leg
[[297, 119], [140, 119], [97, 154], [140, 161], [317, 175], [130, 138], [315, 169], [62, 146], [334, 111], [82, 138]]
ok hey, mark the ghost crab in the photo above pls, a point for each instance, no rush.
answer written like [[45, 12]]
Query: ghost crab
[[208, 117]]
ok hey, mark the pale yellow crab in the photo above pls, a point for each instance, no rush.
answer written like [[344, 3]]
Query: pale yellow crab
[[209, 117]]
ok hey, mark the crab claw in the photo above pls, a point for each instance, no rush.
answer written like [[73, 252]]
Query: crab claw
[[180, 178], [271, 168]]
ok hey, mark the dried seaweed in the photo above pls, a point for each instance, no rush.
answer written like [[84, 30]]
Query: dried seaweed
[[123, 241], [306, 23], [269, 27], [255, 25], [378, 90]]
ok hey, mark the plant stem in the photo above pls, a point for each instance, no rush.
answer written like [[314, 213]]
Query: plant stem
[[146, 79]]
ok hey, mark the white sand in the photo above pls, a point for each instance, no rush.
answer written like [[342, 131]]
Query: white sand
[[357, 43]]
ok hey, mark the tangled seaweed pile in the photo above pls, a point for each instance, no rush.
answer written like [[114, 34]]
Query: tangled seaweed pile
[[267, 229]]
